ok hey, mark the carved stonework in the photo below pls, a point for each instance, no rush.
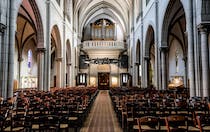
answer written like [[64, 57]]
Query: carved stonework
[[41, 50], [202, 28], [147, 58], [2, 27], [205, 12], [68, 64], [163, 48], [59, 59]]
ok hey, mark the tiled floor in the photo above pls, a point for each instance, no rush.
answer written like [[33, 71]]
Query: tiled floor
[[102, 117]]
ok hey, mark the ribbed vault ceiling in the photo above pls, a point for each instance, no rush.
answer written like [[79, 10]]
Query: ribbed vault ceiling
[[87, 10]]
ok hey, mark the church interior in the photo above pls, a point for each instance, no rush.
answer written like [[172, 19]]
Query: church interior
[[104, 65]]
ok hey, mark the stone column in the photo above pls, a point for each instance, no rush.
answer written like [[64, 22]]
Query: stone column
[[191, 65], [185, 70], [68, 74], [20, 59], [40, 60], [156, 68], [58, 72], [159, 70], [163, 66], [146, 76], [204, 61], [2, 42], [48, 49], [11, 46], [156, 45]]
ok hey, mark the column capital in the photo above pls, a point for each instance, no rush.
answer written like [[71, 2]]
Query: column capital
[[59, 59], [184, 58], [146, 58], [68, 64], [163, 48], [2, 27], [20, 58], [202, 28], [41, 50]]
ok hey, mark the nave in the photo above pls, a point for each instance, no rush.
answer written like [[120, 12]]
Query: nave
[[87, 109], [102, 117]]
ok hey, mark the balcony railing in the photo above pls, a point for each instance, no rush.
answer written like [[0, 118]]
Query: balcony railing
[[103, 45]]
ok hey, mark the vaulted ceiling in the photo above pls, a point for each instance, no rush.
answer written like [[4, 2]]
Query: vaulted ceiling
[[87, 10]]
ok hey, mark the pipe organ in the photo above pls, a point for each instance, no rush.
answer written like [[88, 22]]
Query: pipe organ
[[103, 29]]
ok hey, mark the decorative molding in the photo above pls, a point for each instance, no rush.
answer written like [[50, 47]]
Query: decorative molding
[[204, 27], [146, 58], [41, 50], [163, 48], [59, 59], [2, 27], [68, 64]]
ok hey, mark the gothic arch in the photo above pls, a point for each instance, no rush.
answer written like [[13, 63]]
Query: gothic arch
[[174, 11], [174, 43], [56, 58], [39, 25], [29, 35], [150, 56], [56, 40], [149, 40], [30, 10], [99, 6]]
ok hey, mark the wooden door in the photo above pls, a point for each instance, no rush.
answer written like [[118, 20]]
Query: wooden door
[[103, 81]]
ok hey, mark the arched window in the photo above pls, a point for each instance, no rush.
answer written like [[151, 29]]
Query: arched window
[[29, 59]]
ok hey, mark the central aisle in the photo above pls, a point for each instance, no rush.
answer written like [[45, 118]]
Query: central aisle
[[102, 117]]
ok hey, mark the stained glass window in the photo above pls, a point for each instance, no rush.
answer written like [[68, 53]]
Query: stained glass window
[[29, 58]]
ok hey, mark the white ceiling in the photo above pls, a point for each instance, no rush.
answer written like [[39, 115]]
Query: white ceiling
[[86, 10]]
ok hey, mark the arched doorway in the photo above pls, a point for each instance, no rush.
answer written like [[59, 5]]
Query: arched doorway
[[56, 59], [174, 47], [28, 39]]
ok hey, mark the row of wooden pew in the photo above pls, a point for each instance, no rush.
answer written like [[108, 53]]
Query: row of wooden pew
[[61, 109], [160, 110]]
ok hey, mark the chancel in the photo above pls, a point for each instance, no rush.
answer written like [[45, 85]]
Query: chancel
[[104, 65]]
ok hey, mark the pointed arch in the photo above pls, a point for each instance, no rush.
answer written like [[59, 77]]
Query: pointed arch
[[149, 40], [29, 36], [173, 13], [173, 38], [56, 40], [39, 25]]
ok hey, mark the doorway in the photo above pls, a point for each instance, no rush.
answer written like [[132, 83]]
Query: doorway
[[103, 81]]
